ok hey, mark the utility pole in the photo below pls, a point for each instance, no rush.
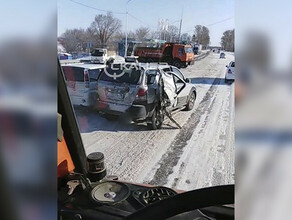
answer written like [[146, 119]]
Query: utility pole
[[126, 40], [180, 24]]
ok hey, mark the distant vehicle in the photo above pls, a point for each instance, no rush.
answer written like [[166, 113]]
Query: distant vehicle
[[81, 81], [131, 59], [99, 55], [196, 49], [230, 72], [137, 92], [178, 55], [222, 55], [64, 56]]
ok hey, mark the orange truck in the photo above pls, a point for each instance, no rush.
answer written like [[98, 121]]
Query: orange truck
[[179, 55]]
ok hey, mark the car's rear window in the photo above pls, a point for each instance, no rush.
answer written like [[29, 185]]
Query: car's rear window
[[74, 73], [121, 75], [93, 74]]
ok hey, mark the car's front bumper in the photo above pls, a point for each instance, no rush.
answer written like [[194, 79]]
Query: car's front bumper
[[230, 77], [191, 62]]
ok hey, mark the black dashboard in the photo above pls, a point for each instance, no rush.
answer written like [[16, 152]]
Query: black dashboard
[[116, 200], [108, 200]]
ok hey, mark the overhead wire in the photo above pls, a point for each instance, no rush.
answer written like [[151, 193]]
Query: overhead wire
[[139, 20], [115, 12], [97, 9], [218, 22]]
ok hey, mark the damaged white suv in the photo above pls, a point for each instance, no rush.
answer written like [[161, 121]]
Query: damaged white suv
[[143, 92]]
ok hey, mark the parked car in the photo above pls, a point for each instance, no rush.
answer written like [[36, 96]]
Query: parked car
[[230, 72], [134, 90], [222, 55], [81, 80], [131, 59]]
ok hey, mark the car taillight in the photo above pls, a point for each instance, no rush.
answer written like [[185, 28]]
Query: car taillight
[[86, 78], [141, 94], [229, 71]]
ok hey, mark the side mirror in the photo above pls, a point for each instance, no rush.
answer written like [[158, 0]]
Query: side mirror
[[226, 66], [188, 80]]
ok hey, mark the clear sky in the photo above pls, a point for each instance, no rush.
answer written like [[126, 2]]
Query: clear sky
[[217, 15]]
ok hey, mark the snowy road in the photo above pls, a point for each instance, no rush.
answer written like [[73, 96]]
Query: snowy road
[[198, 155]]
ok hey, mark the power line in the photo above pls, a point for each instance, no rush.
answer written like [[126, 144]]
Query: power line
[[218, 22], [97, 9], [139, 20]]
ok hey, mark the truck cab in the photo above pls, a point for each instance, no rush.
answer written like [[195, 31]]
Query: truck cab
[[99, 55], [183, 55]]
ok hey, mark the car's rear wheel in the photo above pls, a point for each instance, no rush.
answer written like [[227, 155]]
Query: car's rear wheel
[[156, 120], [191, 102]]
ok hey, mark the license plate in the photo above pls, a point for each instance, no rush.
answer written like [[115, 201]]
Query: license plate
[[115, 96]]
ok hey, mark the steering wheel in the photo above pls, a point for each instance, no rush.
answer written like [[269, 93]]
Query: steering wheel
[[184, 202]]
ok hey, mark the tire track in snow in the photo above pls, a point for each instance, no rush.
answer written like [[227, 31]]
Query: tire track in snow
[[171, 157]]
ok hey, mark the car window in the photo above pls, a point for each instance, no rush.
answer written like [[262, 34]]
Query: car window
[[93, 74], [232, 64], [74, 73], [121, 75], [180, 50], [176, 71], [177, 80], [153, 72], [178, 83], [151, 75], [167, 69], [188, 50]]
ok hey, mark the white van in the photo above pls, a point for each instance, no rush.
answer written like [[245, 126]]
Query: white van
[[81, 80]]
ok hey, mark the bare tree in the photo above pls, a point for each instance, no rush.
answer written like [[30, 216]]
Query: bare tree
[[227, 40], [74, 40], [131, 34], [104, 27], [172, 34], [202, 35], [186, 38], [154, 35], [142, 33], [122, 35]]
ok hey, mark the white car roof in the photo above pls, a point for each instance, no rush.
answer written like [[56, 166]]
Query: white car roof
[[153, 66], [85, 65]]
